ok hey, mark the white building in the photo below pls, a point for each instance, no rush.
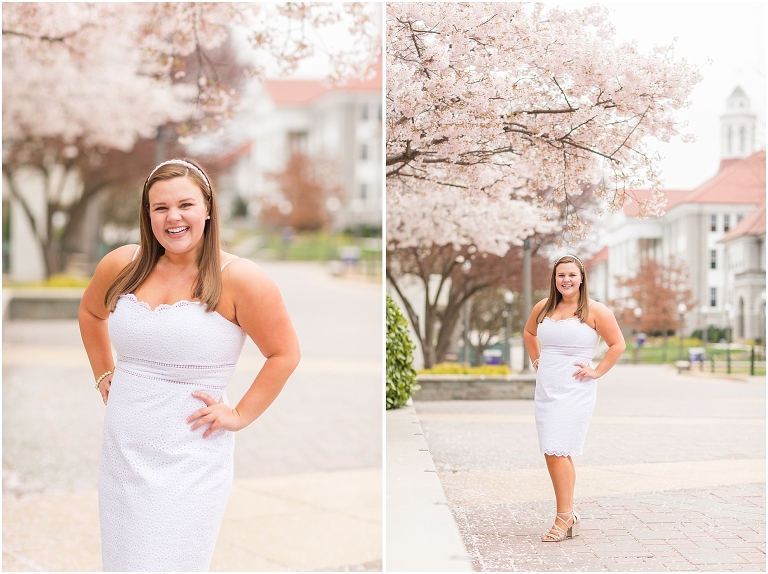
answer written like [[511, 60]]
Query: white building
[[715, 229], [340, 125]]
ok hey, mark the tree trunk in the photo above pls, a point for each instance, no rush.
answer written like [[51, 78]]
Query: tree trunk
[[43, 243]]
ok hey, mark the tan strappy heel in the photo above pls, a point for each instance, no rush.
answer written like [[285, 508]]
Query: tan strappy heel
[[557, 534]]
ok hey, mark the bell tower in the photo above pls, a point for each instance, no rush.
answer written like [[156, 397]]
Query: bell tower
[[737, 129]]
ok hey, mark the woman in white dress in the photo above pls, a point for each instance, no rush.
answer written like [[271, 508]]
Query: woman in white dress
[[561, 336], [177, 310]]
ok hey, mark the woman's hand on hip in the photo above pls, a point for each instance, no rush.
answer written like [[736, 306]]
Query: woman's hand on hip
[[104, 385], [217, 414], [585, 372]]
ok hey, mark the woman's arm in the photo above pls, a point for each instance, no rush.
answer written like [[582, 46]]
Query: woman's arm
[[607, 327], [93, 316], [529, 334], [261, 314]]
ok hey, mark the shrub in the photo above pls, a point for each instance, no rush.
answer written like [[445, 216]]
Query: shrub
[[401, 376], [457, 369]]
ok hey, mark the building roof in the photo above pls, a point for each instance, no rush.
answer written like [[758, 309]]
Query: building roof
[[286, 93], [674, 197], [599, 257], [738, 92], [752, 224], [739, 182]]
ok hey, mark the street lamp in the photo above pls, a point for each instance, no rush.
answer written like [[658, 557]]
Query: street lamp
[[638, 313], [681, 309], [509, 297], [761, 322], [704, 333], [465, 267], [527, 304], [728, 312]]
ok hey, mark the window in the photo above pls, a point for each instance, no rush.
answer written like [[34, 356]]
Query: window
[[364, 112], [378, 113], [726, 222], [730, 139], [739, 217], [742, 139], [363, 191], [713, 223], [364, 151], [713, 259], [297, 142], [713, 296]]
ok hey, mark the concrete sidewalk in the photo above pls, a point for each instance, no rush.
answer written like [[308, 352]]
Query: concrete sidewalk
[[422, 535], [286, 523], [672, 477]]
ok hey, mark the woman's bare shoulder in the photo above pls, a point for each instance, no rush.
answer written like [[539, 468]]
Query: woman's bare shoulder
[[117, 259], [599, 311], [245, 275]]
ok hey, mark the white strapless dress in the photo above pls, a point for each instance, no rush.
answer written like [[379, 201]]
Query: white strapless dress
[[162, 487], [563, 405]]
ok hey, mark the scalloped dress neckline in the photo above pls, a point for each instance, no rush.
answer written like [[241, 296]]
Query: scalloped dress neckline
[[161, 306], [165, 306], [560, 320]]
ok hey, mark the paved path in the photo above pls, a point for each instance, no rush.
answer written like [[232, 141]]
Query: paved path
[[307, 490], [673, 477]]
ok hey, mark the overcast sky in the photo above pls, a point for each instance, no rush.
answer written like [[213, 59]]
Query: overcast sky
[[727, 42]]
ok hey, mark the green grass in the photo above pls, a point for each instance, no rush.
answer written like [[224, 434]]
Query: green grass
[[318, 246], [652, 352]]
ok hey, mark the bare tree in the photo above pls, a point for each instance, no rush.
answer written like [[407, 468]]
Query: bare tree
[[658, 289]]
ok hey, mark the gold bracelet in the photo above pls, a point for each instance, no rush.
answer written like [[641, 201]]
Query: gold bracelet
[[101, 378]]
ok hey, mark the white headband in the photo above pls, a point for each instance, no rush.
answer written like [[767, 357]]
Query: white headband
[[572, 257], [182, 162]]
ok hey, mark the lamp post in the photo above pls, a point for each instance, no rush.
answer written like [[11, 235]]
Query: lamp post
[[526, 295], [509, 297], [638, 313], [704, 333], [465, 267], [761, 319], [681, 309], [728, 312]]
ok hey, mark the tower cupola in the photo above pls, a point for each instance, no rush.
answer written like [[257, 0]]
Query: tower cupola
[[737, 128]]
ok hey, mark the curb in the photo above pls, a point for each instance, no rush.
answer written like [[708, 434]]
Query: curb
[[475, 387], [422, 535], [41, 302]]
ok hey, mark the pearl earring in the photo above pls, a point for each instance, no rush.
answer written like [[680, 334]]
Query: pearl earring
[[208, 217]]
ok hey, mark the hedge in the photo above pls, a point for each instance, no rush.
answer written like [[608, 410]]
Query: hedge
[[401, 376]]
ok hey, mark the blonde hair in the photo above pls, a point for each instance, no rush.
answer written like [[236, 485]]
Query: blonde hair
[[582, 310], [207, 287]]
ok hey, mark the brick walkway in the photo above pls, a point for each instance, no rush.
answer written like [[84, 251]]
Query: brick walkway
[[672, 479]]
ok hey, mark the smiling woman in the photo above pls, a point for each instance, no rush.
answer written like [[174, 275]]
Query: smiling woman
[[561, 336], [178, 319]]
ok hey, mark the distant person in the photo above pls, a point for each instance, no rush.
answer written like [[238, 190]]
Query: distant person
[[177, 310], [568, 324]]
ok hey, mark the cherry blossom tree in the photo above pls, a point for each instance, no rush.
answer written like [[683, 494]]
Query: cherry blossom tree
[[83, 79], [512, 121], [529, 102]]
